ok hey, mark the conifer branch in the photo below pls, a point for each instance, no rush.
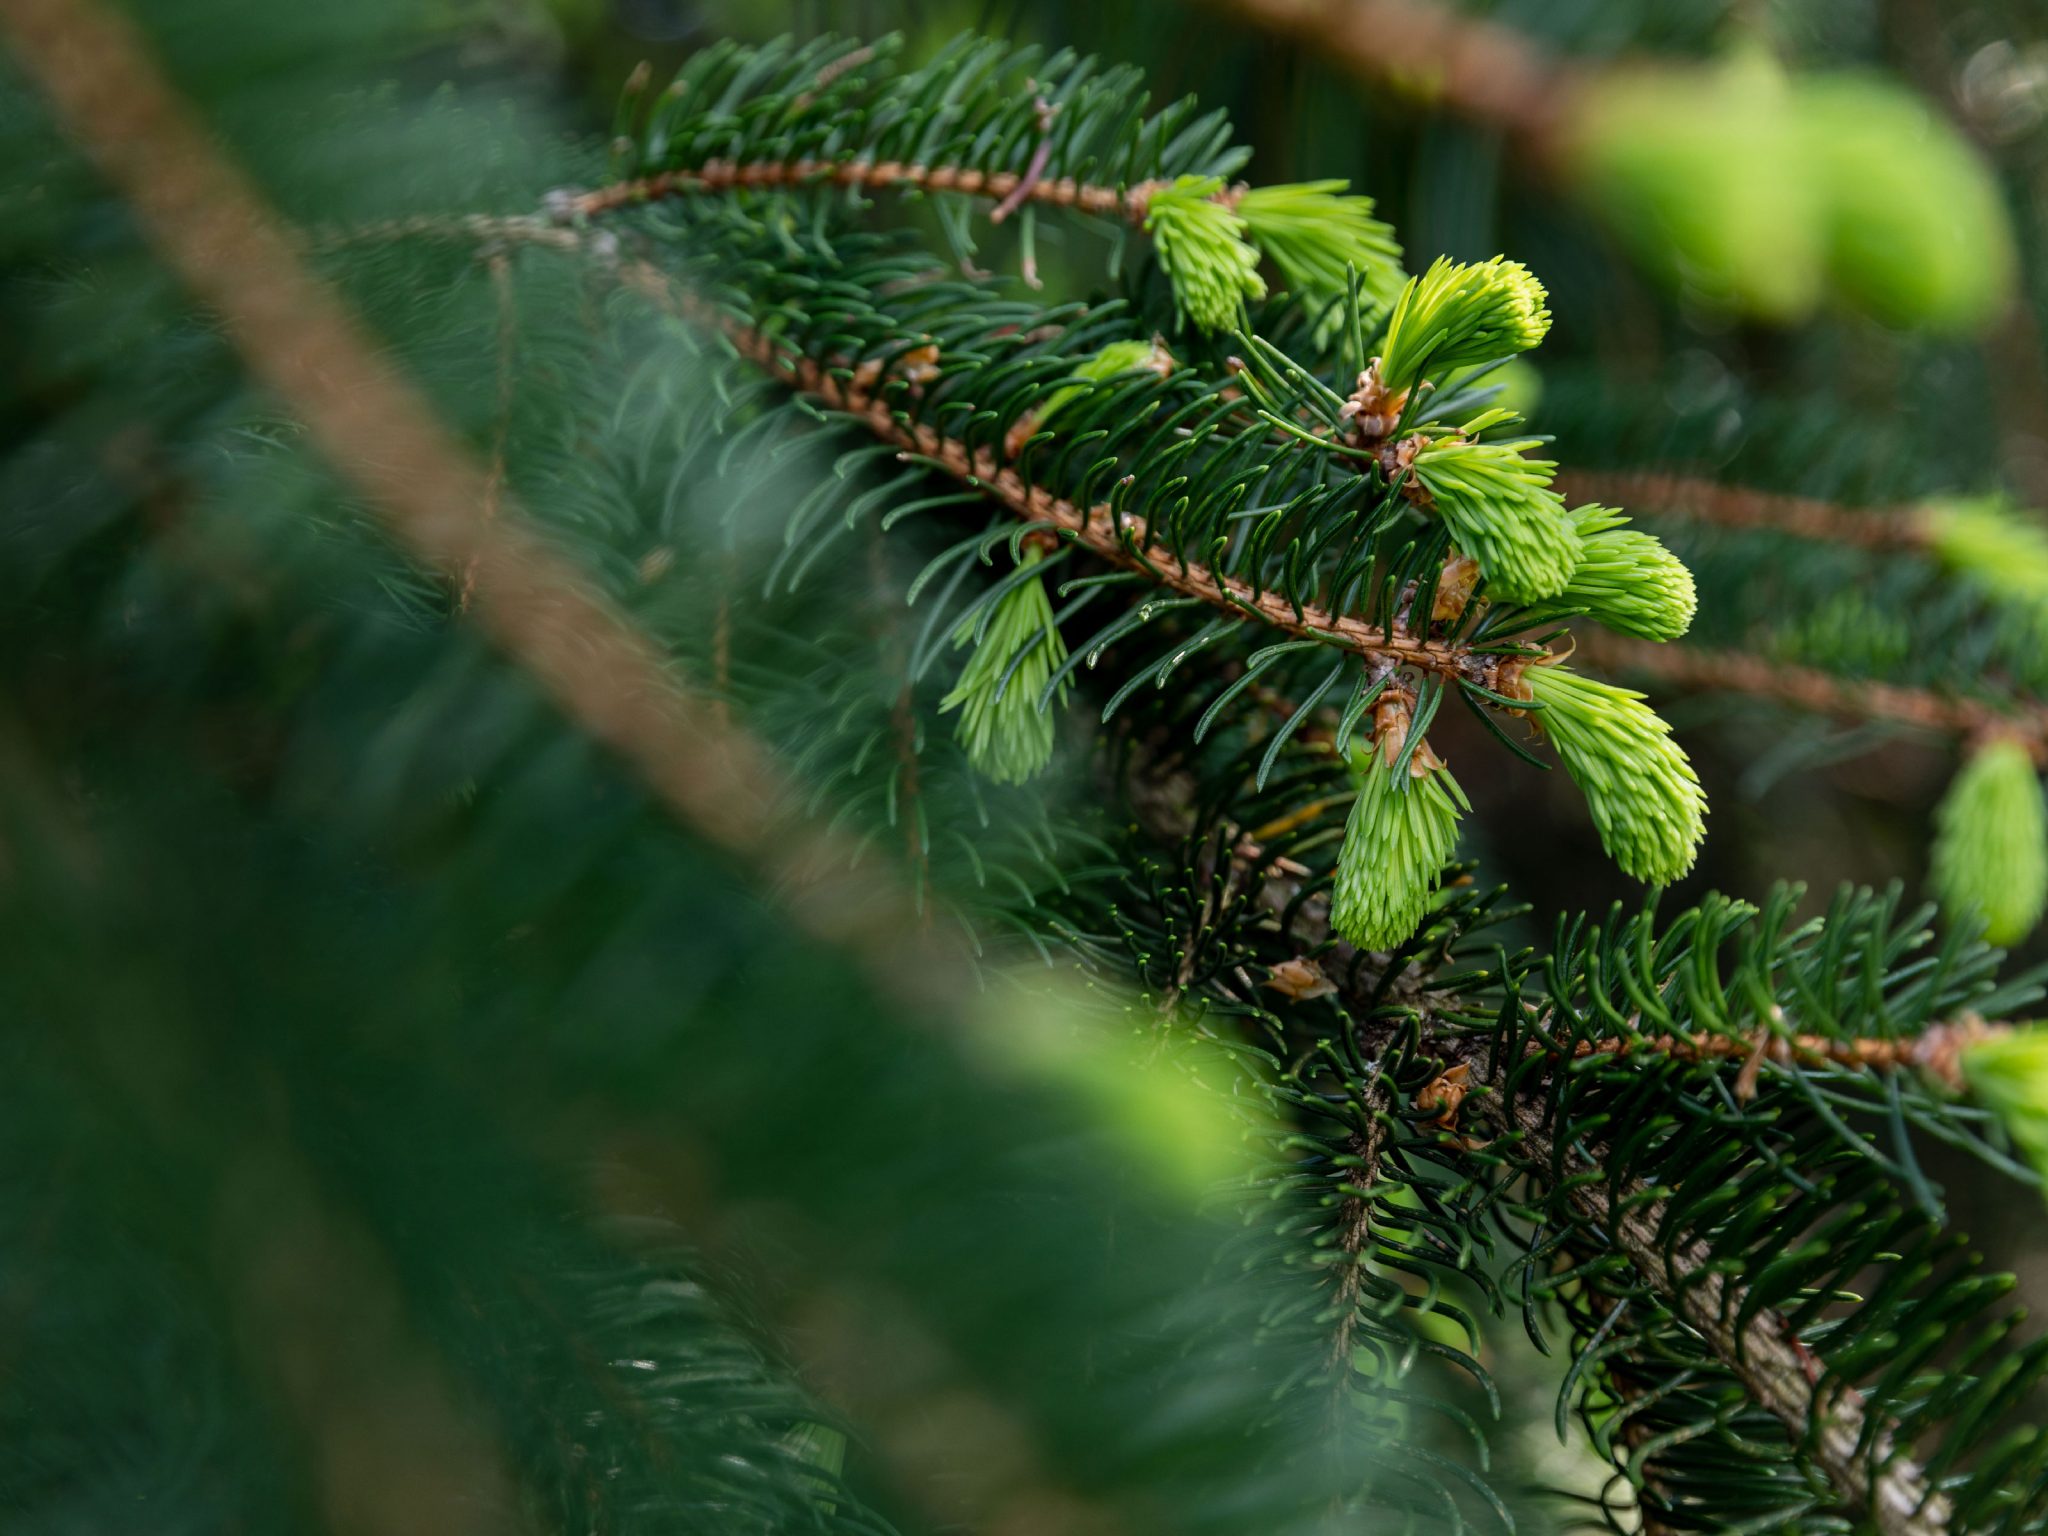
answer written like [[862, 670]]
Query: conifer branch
[[1823, 693], [1007, 189], [1648, 493], [1480, 69], [1869, 1471], [1097, 528], [1937, 1050]]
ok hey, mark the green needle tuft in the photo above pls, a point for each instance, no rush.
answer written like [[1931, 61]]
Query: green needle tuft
[[1991, 842], [1500, 509], [1007, 732], [1454, 316], [2008, 1073], [1645, 798], [1626, 579], [1316, 236], [1118, 357], [1401, 832], [2001, 548], [1201, 244]]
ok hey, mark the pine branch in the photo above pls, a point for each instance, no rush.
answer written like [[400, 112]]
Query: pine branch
[[1009, 190], [1823, 693], [1480, 69], [1870, 1472], [296, 336], [1098, 527], [1647, 493]]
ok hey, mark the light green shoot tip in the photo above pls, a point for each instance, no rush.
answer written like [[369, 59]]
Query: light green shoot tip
[[1454, 316], [1626, 579], [2008, 1074], [1201, 244], [1991, 842], [1008, 733], [1501, 510], [1402, 830], [1317, 235], [1985, 538], [1639, 785]]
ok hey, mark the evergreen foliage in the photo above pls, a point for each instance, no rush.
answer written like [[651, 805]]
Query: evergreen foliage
[[423, 1105], [1991, 841]]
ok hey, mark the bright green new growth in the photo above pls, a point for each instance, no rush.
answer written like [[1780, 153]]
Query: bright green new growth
[[1008, 735], [1916, 227], [1118, 357], [1401, 832], [2008, 1074], [1500, 510], [1693, 170], [1454, 316], [1201, 245], [1316, 236], [1626, 579], [1645, 798], [1847, 633], [1991, 842], [2000, 548], [1761, 193]]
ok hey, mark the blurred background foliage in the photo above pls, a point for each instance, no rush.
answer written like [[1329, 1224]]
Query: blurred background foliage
[[408, 1127]]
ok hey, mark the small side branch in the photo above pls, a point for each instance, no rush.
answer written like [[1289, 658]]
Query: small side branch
[[1822, 693], [1007, 189], [1937, 1051], [1882, 529], [1862, 1460], [1479, 69], [1097, 528]]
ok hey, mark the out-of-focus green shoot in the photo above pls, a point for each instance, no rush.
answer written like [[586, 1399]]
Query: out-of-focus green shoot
[[1768, 194]]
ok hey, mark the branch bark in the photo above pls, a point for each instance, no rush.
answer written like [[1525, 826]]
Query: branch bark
[[1822, 693], [1097, 528], [1874, 1477], [1006, 188]]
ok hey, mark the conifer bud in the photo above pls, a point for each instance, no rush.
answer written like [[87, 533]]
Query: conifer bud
[[2008, 1074], [1455, 315], [1402, 830], [1698, 170], [1761, 192], [1316, 236], [1991, 842], [2002, 549], [1118, 357], [1007, 731], [1201, 245], [1500, 509], [1627, 580], [1639, 785], [1917, 229]]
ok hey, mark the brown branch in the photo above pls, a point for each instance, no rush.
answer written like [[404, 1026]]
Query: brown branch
[[1007, 189], [1822, 693], [1479, 69], [1734, 506], [1098, 528], [1862, 1460], [375, 427], [1869, 1472], [1936, 1050]]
